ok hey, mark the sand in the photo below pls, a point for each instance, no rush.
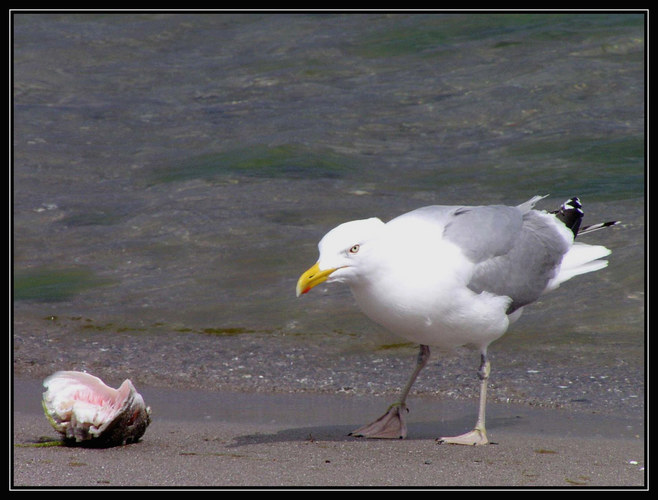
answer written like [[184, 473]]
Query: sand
[[299, 440]]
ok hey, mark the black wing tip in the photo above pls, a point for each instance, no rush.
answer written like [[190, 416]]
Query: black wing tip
[[600, 225], [571, 214]]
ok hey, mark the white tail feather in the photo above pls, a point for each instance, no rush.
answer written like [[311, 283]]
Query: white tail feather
[[580, 259]]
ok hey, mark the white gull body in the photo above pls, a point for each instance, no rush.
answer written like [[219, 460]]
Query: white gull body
[[447, 276]]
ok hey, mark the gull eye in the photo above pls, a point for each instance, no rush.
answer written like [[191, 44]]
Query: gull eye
[[355, 249]]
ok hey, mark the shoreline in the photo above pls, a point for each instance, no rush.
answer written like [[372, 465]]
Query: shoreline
[[223, 439]]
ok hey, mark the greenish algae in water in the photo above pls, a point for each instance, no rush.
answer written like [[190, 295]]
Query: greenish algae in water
[[430, 35], [618, 164], [42, 442], [54, 285], [623, 151], [289, 161], [226, 331]]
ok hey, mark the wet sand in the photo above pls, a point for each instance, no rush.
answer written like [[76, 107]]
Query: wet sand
[[253, 439]]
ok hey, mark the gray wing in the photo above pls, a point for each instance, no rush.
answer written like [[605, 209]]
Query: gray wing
[[516, 252]]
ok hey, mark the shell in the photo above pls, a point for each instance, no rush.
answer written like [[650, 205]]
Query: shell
[[88, 412]]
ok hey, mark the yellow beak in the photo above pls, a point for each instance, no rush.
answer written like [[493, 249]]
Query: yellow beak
[[311, 278]]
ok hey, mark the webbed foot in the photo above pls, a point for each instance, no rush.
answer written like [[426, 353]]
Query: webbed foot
[[391, 425], [476, 437]]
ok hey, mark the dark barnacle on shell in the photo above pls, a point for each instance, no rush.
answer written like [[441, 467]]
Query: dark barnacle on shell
[[89, 413]]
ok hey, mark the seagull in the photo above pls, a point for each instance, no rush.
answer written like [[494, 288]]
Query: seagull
[[449, 276]]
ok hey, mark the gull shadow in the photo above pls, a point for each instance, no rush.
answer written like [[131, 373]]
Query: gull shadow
[[416, 431]]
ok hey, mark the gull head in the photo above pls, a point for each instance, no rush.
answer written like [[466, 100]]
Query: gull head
[[343, 252]]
